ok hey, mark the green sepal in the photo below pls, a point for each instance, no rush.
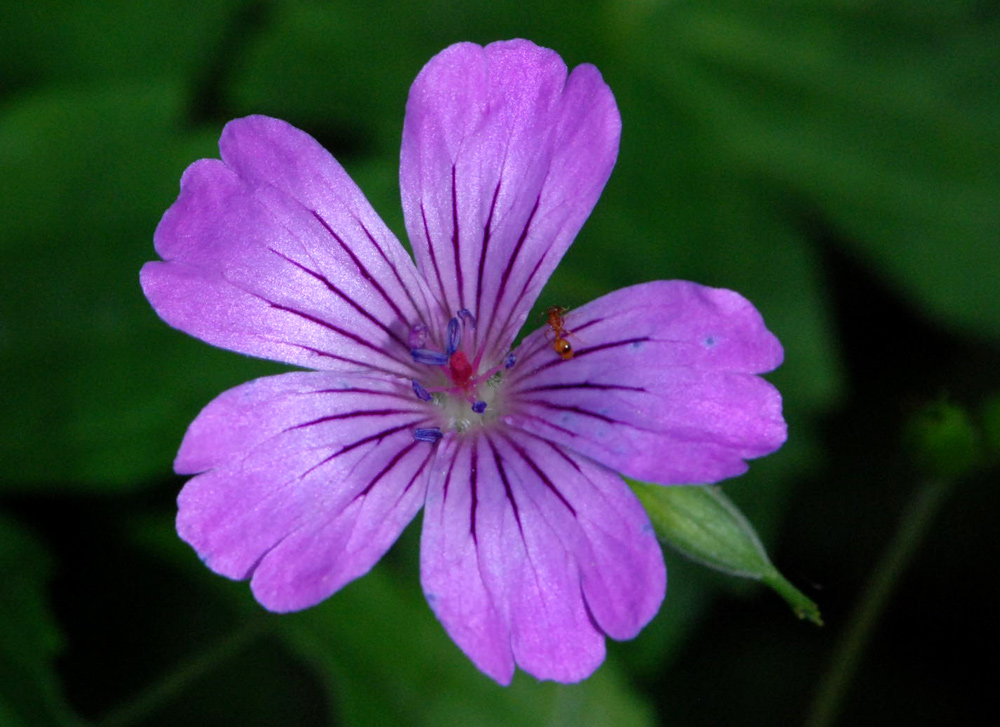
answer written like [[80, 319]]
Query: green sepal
[[703, 524]]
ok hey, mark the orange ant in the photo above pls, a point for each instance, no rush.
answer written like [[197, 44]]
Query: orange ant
[[554, 317]]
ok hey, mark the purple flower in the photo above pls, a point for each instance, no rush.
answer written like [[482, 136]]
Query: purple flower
[[533, 548]]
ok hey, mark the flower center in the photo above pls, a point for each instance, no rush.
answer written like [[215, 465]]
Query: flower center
[[465, 397]]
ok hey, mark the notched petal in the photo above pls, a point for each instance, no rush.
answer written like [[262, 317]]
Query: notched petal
[[307, 479], [530, 555], [302, 272], [503, 157], [663, 385]]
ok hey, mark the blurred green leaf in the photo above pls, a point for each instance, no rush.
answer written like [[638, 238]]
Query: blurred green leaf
[[73, 41], [345, 66], [30, 693], [991, 425], [943, 441], [883, 118], [388, 661], [349, 66], [703, 524], [104, 389]]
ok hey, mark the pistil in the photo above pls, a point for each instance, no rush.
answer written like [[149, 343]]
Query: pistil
[[461, 383]]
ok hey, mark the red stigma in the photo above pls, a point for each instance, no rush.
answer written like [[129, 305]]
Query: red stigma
[[461, 369]]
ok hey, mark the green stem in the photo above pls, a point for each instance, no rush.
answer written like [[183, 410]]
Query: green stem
[[804, 607], [190, 670], [893, 562]]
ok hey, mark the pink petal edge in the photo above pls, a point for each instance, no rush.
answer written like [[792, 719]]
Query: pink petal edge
[[519, 561], [663, 385], [503, 158], [310, 478]]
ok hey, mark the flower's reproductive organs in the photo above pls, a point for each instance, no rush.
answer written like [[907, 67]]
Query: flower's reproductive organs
[[453, 381]]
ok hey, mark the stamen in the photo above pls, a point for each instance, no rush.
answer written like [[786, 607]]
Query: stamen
[[426, 356], [420, 391], [427, 434], [479, 407], [453, 336], [418, 336], [510, 360], [466, 315]]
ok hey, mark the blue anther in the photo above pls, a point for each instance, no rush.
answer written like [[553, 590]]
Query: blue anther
[[418, 336], [466, 315], [509, 361], [420, 391], [426, 356], [428, 434], [479, 407], [454, 335]]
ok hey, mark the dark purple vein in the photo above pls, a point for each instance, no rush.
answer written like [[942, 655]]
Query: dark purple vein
[[560, 451], [455, 247], [388, 468], [427, 458], [474, 488], [540, 473], [579, 352], [437, 272], [524, 289], [447, 479], [359, 364], [361, 267], [320, 322], [577, 327], [574, 410], [498, 463], [610, 344], [337, 291], [377, 437], [349, 415], [353, 390], [546, 422], [487, 234], [395, 273], [581, 385], [505, 277]]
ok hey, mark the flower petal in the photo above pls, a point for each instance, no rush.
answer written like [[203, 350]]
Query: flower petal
[[503, 159], [662, 386], [535, 557], [276, 253], [310, 478], [450, 568]]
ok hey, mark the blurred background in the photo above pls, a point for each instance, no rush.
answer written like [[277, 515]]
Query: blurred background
[[836, 161]]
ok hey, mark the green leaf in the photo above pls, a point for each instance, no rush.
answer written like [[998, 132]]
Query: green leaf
[[675, 209], [879, 120], [703, 524], [388, 661], [104, 388], [72, 41], [30, 640], [322, 66], [385, 659]]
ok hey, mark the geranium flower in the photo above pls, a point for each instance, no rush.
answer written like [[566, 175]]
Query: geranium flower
[[533, 548]]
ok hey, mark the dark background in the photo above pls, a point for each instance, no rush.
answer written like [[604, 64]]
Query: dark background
[[836, 162]]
